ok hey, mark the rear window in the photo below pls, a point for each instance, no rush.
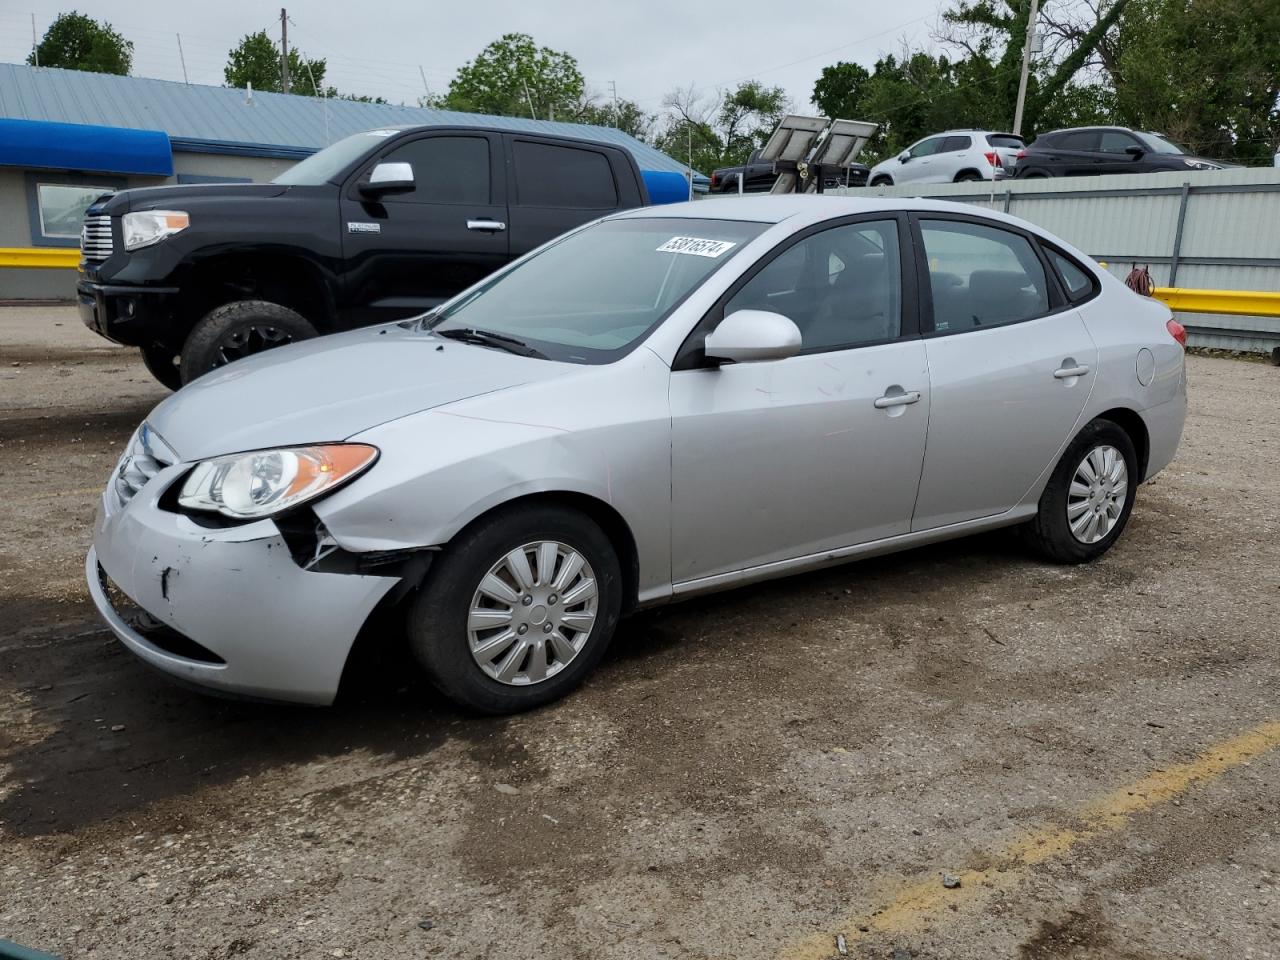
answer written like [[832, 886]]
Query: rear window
[[1004, 140], [952, 144], [548, 175]]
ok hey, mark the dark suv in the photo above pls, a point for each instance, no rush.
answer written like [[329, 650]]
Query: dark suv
[[1092, 151], [379, 226]]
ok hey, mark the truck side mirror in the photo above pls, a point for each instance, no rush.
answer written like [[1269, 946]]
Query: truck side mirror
[[388, 178]]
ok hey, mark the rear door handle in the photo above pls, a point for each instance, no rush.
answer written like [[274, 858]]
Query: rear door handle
[[897, 399], [1066, 373], [495, 226]]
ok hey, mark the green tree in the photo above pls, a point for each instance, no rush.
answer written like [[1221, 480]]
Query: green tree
[[723, 129], [627, 117], [76, 42], [515, 77], [256, 60], [1206, 73]]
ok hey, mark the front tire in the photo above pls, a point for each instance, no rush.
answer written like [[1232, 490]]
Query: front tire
[[237, 330], [1087, 502], [882, 181], [519, 610]]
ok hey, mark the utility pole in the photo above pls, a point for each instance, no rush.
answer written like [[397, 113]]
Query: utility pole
[[183, 60], [614, 85], [35, 44], [1026, 67], [284, 50]]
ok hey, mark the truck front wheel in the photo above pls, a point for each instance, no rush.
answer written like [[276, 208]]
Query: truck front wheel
[[237, 330]]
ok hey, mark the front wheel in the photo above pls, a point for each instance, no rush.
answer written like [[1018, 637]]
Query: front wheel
[[882, 182], [519, 610], [237, 330], [1087, 502]]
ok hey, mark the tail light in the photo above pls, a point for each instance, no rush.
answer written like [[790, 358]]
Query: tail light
[[715, 179], [1022, 155], [1178, 332], [993, 158]]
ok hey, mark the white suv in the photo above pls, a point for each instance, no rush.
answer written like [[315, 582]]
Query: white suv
[[951, 156]]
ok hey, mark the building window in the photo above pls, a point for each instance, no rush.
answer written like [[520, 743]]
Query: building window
[[56, 205]]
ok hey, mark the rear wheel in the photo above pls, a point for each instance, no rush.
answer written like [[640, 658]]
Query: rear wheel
[[518, 612], [162, 363], [1035, 175], [237, 330], [1087, 502], [967, 177]]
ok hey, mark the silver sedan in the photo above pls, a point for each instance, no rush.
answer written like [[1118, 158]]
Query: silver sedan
[[667, 402]]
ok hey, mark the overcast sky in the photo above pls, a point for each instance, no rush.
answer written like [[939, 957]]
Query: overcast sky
[[376, 48]]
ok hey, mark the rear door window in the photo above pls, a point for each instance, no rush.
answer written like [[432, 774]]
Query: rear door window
[[548, 175], [956, 144], [981, 276], [445, 170], [1078, 140], [1075, 280]]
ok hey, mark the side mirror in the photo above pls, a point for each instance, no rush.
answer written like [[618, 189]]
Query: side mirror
[[388, 178], [748, 336], [904, 156], [1135, 151]]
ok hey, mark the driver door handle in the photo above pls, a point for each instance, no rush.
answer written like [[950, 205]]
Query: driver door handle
[[495, 226], [897, 399]]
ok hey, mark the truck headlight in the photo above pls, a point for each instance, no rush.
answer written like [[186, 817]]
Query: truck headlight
[[145, 227], [264, 482]]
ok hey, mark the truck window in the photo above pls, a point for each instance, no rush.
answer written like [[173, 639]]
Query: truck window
[[553, 176], [445, 170]]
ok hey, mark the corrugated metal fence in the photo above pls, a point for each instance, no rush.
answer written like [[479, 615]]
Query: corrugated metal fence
[[1199, 230]]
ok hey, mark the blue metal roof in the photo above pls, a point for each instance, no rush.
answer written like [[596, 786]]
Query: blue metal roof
[[224, 120], [76, 146]]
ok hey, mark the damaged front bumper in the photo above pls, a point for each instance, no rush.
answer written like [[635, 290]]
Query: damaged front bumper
[[227, 608]]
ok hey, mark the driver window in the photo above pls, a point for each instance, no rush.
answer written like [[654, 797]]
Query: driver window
[[445, 170], [927, 148], [842, 287], [1113, 141]]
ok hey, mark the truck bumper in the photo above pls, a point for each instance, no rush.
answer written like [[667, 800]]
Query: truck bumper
[[133, 316]]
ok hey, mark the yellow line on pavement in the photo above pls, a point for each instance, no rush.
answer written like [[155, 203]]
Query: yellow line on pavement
[[922, 902]]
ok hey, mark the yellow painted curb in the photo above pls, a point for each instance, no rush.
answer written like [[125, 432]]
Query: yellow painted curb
[[59, 258]]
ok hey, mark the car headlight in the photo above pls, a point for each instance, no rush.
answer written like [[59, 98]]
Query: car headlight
[[265, 482], [1201, 165], [145, 227]]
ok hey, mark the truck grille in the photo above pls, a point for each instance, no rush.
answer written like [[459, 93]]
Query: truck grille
[[146, 455], [95, 238]]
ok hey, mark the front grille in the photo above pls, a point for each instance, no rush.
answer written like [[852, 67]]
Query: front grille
[[95, 238], [146, 455]]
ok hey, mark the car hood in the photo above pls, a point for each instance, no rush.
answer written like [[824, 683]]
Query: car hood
[[333, 387]]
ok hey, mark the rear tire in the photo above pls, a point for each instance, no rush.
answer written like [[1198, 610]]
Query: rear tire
[[1079, 519], [161, 362], [1036, 175], [967, 177], [239, 329], [466, 639]]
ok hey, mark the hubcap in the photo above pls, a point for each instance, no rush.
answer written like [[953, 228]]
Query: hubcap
[[1098, 493], [532, 613], [247, 340]]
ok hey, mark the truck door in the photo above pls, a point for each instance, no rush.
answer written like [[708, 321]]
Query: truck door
[[554, 186], [407, 252]]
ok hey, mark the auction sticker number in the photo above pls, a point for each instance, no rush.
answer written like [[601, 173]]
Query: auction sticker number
[[696, 247]]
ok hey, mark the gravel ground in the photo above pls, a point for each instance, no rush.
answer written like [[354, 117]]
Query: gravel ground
[[1090, 751]]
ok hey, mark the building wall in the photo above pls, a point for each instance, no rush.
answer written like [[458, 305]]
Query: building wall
[[16, 227]]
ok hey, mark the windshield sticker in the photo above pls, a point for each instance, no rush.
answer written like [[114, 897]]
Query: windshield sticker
[[696, 247], [381, 133]]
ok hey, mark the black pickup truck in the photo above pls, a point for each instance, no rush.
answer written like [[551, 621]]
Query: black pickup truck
[[759, 177], [379, 226]]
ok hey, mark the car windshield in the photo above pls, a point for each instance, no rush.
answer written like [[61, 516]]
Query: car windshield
[[324, 166], [1161, 144], [592, 296]]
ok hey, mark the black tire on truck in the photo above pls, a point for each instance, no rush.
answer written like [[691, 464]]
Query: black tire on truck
[[237, 330], [161, 362]]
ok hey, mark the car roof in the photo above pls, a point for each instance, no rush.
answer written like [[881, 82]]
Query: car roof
[[806, 207]]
